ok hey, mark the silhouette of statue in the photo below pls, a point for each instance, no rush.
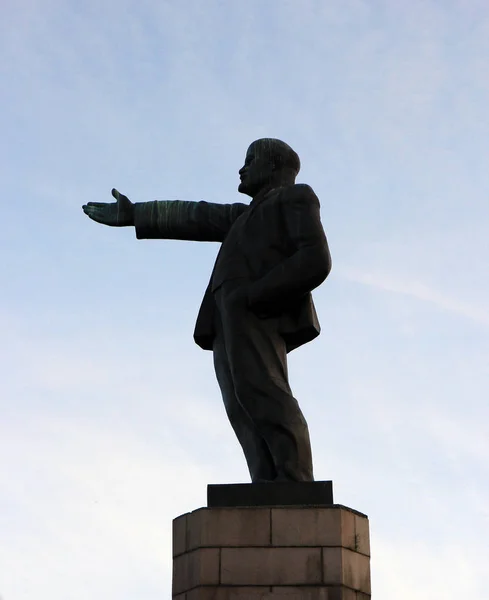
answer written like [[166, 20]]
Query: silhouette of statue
[[258, 304]]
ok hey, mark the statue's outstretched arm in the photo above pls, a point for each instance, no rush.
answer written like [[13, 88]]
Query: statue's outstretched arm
[[168, 219]]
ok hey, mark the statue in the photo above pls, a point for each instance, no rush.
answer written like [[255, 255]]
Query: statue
[[258, 304]]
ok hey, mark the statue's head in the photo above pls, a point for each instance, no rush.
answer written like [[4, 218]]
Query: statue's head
[[268, 162]]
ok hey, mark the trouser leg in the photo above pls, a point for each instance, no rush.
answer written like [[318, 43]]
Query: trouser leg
[[258, 457], [265, 415]]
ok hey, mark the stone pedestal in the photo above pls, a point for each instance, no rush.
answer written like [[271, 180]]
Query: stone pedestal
[[271, 553]]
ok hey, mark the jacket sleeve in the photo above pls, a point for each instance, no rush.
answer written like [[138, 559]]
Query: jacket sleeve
[[181, 220], [309, 261]]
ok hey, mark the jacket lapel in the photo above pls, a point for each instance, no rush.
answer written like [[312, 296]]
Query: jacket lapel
[[265, 193]]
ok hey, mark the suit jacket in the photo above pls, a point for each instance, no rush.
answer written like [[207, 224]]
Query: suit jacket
[[278, 245]]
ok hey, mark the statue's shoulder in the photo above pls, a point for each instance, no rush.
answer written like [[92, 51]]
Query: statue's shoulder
[[299, 191]]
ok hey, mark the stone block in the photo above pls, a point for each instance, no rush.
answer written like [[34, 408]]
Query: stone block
[[339, 592], [345, 567], [270, 566], [362, 535], [228, 593], [313, 527], [179, 535], [221, 527], [200, 567], [300, 593]]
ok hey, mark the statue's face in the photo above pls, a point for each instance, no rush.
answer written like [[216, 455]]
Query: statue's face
[[256, 172]]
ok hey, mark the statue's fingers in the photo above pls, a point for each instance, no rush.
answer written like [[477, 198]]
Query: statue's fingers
[[100, 204], [116, 194], [93, 210], [98, 210], [90, 215], [96, 216]]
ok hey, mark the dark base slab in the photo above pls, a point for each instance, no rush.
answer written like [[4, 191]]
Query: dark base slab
[[310, 493]]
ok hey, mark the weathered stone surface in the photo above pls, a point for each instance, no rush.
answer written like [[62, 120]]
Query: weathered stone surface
[[356, 571], [300, 593], [179, 535], [270, 566], [362, 535], [339, 592], [200, 567], [259, 593], [221, 527], [228, 593], [345, 567], [313, 527], [278, 553]]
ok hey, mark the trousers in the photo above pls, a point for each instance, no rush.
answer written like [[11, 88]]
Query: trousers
[[250, 361]]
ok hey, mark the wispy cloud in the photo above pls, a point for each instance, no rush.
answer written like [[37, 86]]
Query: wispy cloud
[[418, 291]]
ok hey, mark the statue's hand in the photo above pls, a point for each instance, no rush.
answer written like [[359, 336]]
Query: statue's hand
[[115, 214]]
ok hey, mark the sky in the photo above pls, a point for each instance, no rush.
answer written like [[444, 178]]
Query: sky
[[112, 421]]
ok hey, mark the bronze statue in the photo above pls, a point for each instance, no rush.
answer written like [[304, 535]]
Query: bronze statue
[[258, 304]]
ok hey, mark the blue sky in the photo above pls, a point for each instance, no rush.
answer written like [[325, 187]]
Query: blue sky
[[112, 422]]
